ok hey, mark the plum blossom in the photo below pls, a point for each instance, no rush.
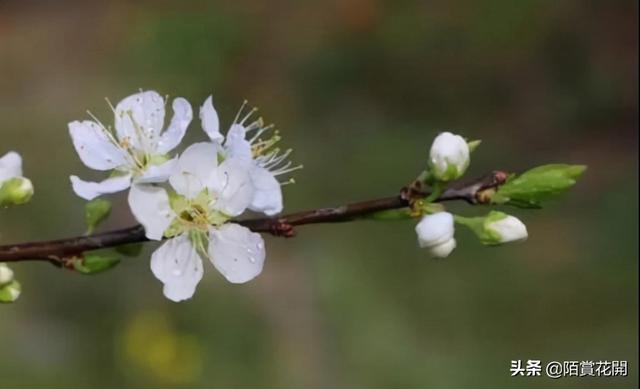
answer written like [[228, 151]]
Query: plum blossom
[[14, 188], [435, 233], [502, 228], [244, 142], [205, 194], [137, 150], [449, 156]]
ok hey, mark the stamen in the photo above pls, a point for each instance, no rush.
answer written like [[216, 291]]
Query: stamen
[[244, 103], [248, 115]]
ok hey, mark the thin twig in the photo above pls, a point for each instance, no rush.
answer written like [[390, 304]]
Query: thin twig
[[60, 251]]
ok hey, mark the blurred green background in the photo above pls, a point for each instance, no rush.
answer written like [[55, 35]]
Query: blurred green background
[[359, 88]]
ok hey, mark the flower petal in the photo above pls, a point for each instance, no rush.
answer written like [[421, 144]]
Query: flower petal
[[158, 173], [150, 206], [236, 252], [90, 190], [210, 121], [178, 266], [139, 120], [182, 115], [233, 187], [267, 197], [195, 168], [236, 145], [94, 147], [10, 166], [435, 229]]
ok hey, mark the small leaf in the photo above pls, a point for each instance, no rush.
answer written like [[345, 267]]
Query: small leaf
[[10, 292], [534, 186], [96, 261], [96, 211], [473, 145]]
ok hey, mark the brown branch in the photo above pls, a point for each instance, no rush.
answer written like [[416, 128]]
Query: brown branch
[[60, 251]]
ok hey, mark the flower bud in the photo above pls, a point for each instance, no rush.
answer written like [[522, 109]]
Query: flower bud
[[449, 157], [435, 233], [16, 190], [503, 228], [10, 292], [6, 274]]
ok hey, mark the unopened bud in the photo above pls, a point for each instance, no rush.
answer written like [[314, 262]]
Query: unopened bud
[[449, 157], [16, 190]]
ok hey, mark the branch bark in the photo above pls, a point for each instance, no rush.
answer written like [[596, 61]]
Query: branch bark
[[60, 251]]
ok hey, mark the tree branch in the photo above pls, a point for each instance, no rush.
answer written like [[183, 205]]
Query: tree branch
[[60, 251]]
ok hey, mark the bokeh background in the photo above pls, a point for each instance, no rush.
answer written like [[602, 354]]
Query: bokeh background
[[359, 88]]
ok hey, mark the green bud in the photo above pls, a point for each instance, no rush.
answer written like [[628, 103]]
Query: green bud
[[95, 212], [538, 184], [94, 262], [495, 228], [15, 191], [10, 292]]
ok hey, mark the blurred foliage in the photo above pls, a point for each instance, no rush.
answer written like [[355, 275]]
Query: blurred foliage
[[355, 305]]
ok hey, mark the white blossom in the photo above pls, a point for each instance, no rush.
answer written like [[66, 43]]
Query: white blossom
[[449, 156], [136, 150], [244, 142], [435, 233], [208, 193], [505, 229], [14, 188]]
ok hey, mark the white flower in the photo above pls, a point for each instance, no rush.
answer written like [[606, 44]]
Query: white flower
[[435, 232], [14, 189], [207, 195], [137, 149], [244, 142], [449, 156], [6, 274], [503, 228]]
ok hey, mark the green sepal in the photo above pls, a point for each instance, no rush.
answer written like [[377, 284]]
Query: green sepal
[[15, 191], [93, 262], [479, 224], [534, 186], [10, 292], [95, 212]]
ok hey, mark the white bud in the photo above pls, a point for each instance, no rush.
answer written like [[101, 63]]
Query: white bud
[[507, 229], [435, 233], [6, 274], [449, 156]]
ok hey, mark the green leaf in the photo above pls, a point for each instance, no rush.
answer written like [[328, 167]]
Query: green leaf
[[534, 186], [10, 292], [130, 250], [94, 262], [473, 145], [95, 212]]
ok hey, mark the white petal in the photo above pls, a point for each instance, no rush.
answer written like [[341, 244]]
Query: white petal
[[90, 190], [443, 250], [10, 166], [195, 168], [509, 229], [95, 148], [139, 119], [267, 197], [210, 121], [232, 186], [435, 229], [150, 206], [178, 266], [236, 145], [158, 173], [236, 252], [182, 115]]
